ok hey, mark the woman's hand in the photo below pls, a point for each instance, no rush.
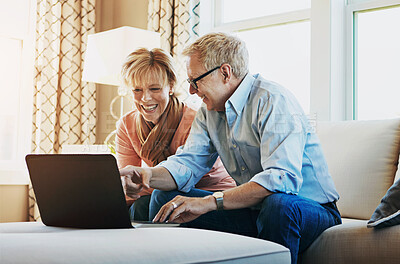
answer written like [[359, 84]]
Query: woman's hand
[[134, 179]]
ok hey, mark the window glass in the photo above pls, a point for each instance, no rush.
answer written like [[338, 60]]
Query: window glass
[[377, 64], [282, 54], [235, 10], [10, 64]]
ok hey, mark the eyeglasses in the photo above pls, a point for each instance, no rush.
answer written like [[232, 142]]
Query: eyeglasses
[[193, 82]]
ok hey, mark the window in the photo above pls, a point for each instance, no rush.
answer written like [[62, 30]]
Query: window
[[277, 34], [16, 75], [339, 58], [235, 10], [285, 60], [376, 63]]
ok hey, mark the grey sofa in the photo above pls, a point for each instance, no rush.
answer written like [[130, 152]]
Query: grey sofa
[[363, 160]]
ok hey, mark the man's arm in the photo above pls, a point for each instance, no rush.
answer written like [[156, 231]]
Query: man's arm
[[161, 179], [189, 164], [185, 209], [245, 195], [135, 178]]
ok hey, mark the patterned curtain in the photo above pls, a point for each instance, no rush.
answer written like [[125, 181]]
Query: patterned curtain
[[64, 110], [178, 23]]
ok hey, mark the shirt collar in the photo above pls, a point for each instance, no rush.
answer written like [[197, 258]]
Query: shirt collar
[[239, 98]]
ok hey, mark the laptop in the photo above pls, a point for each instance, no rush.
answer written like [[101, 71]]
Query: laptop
[[81, 191]]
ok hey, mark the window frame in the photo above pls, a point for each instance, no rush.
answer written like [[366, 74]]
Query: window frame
[[14, 172], [352, 8], [211, 19]]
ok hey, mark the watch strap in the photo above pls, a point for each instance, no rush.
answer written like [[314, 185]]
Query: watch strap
[[219, 198]]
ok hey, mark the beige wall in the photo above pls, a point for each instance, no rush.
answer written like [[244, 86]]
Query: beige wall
[[112, 14], [13, 203]]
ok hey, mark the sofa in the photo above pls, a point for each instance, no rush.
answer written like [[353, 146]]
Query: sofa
[[363, 159]]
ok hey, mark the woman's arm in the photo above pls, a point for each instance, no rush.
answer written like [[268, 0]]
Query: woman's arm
[[124, 145]]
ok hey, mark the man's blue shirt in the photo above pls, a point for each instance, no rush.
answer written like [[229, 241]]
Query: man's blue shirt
[[263, 136]]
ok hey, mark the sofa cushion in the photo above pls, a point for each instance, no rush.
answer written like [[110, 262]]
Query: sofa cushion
[[362, 157], [388, 211], [37, 243], [397, 177], [352, 242]]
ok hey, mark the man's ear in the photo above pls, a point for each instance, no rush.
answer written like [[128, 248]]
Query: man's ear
[[226, 70]]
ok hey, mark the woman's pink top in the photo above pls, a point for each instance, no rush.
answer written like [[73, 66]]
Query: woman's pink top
[[128, 148]]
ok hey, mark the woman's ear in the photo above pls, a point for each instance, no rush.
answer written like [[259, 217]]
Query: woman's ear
[[171, 88]]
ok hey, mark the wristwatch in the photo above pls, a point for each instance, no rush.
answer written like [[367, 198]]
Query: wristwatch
[[219, 198]]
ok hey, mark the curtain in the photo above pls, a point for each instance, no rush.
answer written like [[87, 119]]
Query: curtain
[[178, 23], [64, 108]]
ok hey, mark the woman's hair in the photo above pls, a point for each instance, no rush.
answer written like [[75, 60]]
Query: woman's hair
[[215, 49], [143, 64]]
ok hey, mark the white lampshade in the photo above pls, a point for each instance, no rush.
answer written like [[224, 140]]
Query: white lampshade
[[107, 51]]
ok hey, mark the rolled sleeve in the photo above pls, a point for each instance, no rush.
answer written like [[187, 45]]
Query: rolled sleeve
[[187, 168], [276, 180]]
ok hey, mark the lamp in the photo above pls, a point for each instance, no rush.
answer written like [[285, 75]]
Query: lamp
[[105, 54]]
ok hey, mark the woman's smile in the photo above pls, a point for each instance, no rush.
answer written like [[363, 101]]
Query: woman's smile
[[149, 108]]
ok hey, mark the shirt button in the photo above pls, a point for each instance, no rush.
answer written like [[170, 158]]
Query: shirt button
[[243, 168]]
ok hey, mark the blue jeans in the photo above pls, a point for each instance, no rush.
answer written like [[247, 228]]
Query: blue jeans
[[290, 220], [139, 210]]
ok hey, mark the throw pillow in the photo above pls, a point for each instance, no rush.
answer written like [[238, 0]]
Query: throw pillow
[[388, 211]]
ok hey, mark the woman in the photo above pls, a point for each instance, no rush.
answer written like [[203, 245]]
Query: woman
[[159, 124]]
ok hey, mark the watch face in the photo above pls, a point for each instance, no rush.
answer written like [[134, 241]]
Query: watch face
[[218, 194]]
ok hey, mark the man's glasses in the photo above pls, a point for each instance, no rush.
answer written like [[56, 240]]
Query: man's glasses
[[193, 82]]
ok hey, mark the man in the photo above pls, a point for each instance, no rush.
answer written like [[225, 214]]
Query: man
[[285, 193]]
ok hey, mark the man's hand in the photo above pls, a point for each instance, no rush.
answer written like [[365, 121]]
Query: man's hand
[[134, 179], [183, 209]]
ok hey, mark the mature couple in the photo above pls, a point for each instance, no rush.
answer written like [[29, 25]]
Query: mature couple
[[250, 132]]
